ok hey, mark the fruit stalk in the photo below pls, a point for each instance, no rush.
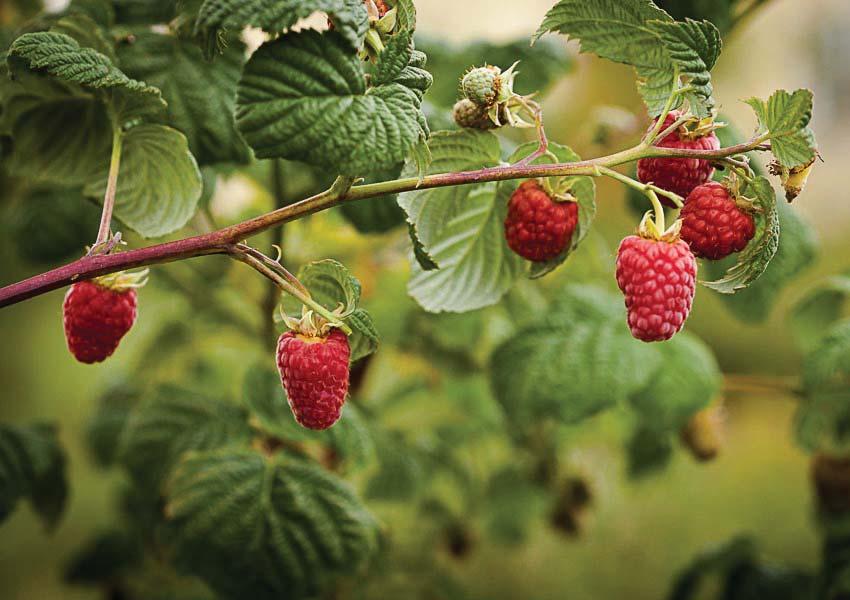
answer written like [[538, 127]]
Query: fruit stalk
[[220, 241]]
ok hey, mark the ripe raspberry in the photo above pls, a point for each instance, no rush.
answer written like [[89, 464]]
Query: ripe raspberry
[[96, 318], [678, 175], [538, 228], [712, 223], [659, 280], [314, 373]]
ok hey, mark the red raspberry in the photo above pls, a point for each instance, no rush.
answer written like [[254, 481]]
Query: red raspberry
[[659, 280], [537, 227], [712, 223], [96, 318], [314, 373], [678, 175]]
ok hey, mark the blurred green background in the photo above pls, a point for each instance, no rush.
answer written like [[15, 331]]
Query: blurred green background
[[638, 534]]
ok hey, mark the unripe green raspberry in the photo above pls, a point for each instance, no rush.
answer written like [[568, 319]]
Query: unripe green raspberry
[[482, 85], [469, 115]]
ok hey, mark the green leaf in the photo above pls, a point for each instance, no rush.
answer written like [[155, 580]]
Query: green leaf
[[513, 504], [364, 339], [159, 183], [201, 96], [330, 283], [160, 430], [786, 115], [401, 474], [426, 261], [104, 558], [32, 466], [822, 423], [583, 188], [87, 33], [694, 47], [820, 308], [688, 382], [571, 368], [265, 527], [144, 12], [273, 16], [796, 253], [648, 451], [61, 57], [638, 33], [461, 229], [304, 96], [755, 258]]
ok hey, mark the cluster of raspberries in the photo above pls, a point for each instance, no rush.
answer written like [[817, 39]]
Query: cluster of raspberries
[[656, 272]]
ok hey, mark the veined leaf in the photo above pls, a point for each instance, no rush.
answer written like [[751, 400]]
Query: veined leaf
[[61, 57], [755, 258], [159, 183], [87, 33], [570, 369], [273, 16], [638, 33], [32, 466], [786, 116], [304, 96], [461, 230], [694, 47], [688, 382], [265, 527], [160, 430], [201, 96], [583, 188]]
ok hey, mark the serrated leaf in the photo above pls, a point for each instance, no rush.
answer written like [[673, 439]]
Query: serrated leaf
[[61, 57], [273, 16], [201, 96], [304, 96], [583, 188], [364, 339], [618, 30], [688, 382], [694, 47], [786, 115], [330, 283], [32, 466], [461, 230], [159, 183], [570, 369], [638, 33], [265, 527], [426, 261], [172, 422], [819, 309], [87, 33], [755, 258]]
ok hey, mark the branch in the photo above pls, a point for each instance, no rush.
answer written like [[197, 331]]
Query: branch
[[222, 240]]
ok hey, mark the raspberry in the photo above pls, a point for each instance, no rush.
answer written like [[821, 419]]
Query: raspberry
[[678, 175], [659, 280], [712, 223], [314, 373], [482, 85], [538, 228], [96, 318], [469, 115]]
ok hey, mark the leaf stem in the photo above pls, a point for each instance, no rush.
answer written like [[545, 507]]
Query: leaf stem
[[111, 187], [644, 188], [222, 240], [239, 252]]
